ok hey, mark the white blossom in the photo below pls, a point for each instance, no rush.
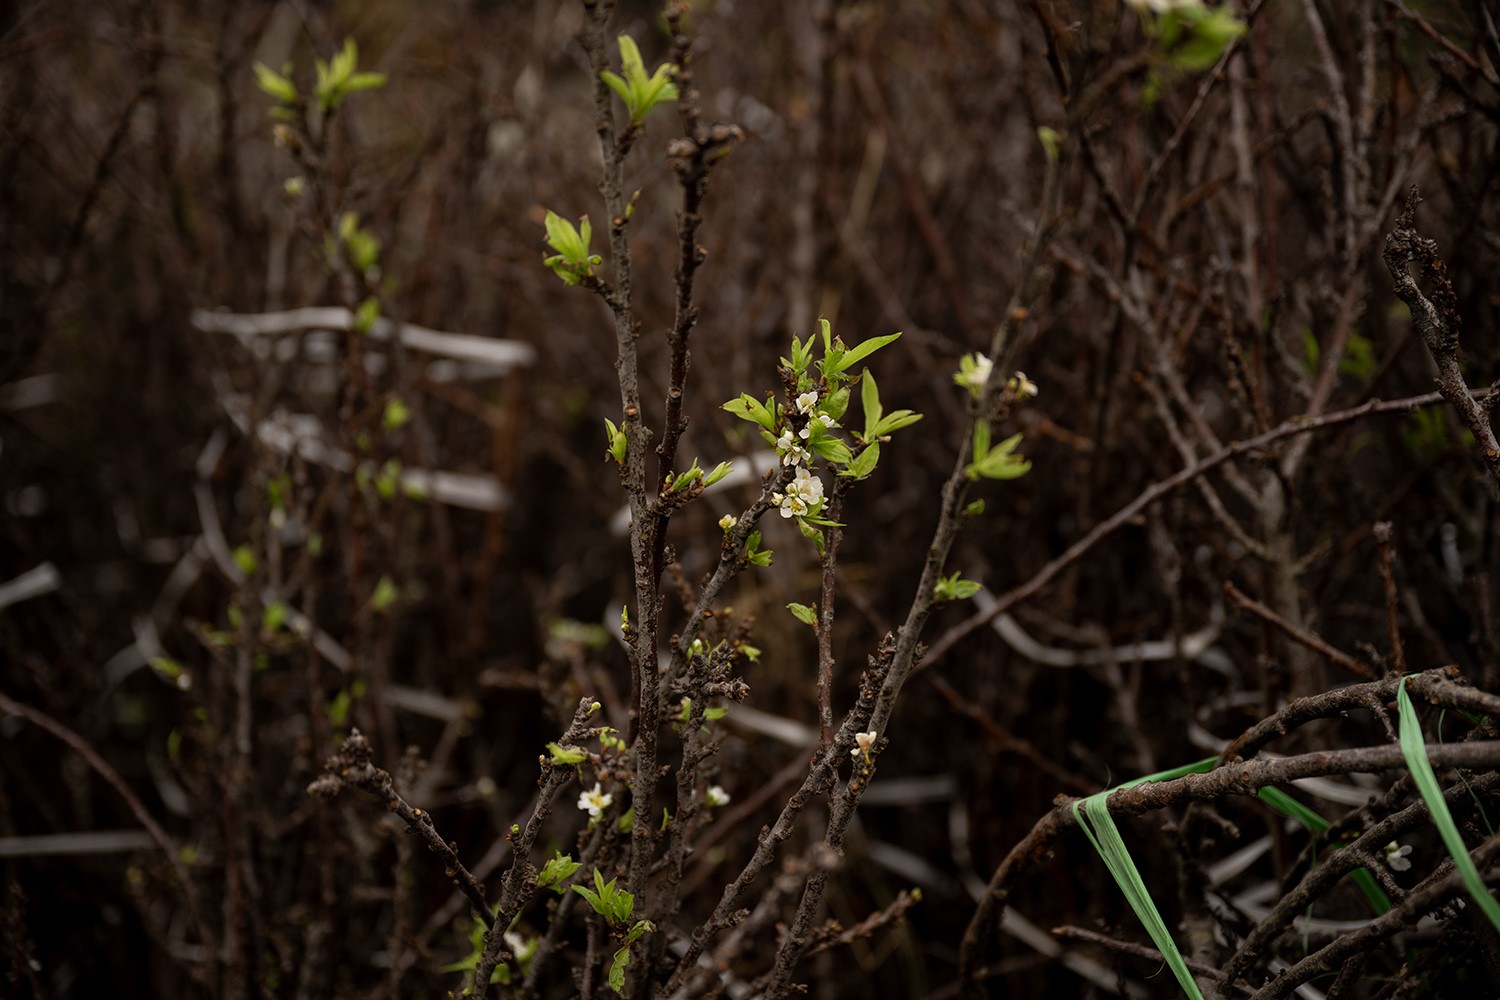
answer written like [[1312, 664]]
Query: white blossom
[[1022, 386], [821, 418], [595, 801], [791, 450], [728, 521], [807, 402], [802, 494], [863, 742], [520, 947], [1162, 6], [980, 373], [716, 796], [1395, 856]]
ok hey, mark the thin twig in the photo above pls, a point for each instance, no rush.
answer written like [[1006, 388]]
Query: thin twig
[[1311, 640], [101, 767], [1157, 491]]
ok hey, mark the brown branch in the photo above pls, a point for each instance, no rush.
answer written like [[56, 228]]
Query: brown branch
[[833, 935], [1388, 578], [832, 536], [101, 767], [353, 766], [1070, 933], [1311, 640], [1366, 851], [1157, 491], [1411, 909], [1241, 778], [1438, 321], [1438, 687]]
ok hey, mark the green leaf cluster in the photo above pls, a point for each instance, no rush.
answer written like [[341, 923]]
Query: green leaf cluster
[[608, 899], [747, 407], [337, 78], [641, 93], [277, 85], [363, 248], [572, 262], [618, 442], [831, 379], [696, 473], [557, 871], [997, 462], [955, 588], [564, 756], [754, 554], [386, 594], [1204, 32], [396, 415]]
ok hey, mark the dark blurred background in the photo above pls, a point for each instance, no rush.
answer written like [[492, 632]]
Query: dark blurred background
[[890, 174]]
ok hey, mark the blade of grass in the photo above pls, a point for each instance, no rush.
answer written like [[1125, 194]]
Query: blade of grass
[[1414, 749], [1092, 815]]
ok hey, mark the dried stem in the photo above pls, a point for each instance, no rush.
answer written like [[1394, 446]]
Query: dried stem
[[1438, 321]]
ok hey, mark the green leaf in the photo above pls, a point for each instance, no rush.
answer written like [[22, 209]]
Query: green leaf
[[803, 613], [754, 554], [869, 400], [566, 756], [556, 871], [1049, 138], [244, 558], [892, 422], [688, 478], [641, 93], [857, 353], [801, 355], [338, 708], [336, 78], [364, 81], [811, 534], [863, 463], [385, 595], [617, 969], [717, 473], [274, 84], [829, 447], [835, 404], [618, 443], [168, 668], [955, 588], [593, 898], [1414, 749], [396, 415], [572, 262], [1359, 357], [999, 462], [364, 249], [749, 408]]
